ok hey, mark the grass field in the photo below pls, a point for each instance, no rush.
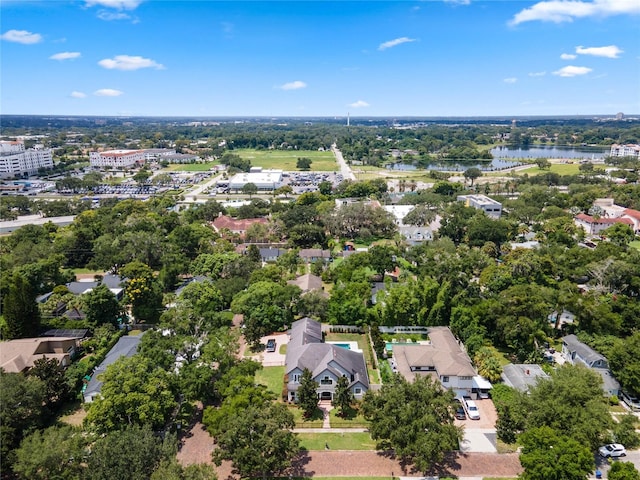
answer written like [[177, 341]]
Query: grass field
[[315, 421], [352, 420], [635, 244], [190, 167], [559, 168], [337, 441], [272, 377], [286, 159]]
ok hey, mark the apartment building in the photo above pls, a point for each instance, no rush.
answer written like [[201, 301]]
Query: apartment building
[[629, 150], [117, 158]]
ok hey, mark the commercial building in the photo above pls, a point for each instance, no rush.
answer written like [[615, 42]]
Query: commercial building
[[488, 205], [117, 158], [16, 161], [625, 150], [268, 180]]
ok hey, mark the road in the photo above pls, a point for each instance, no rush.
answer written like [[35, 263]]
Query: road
[[347, 174]]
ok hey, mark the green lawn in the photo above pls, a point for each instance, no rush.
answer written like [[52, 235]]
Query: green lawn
[[315, 421], [286, 159], [272, 377], [559, 168], [352, 420], [191, 167], [283, 349], [337, 441], [635, 244]]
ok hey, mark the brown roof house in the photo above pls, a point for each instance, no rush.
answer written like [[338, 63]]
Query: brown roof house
[[442, 358], [20, 355], [308, 283], [239, 227]]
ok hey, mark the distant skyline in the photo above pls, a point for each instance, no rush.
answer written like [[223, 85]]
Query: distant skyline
[[310, 58]]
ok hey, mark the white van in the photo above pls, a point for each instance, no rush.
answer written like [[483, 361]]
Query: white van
[[472, 409]]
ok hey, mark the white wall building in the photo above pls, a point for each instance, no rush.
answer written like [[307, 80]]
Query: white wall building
[[117, 158], [625, 150], [488, 205], [16, 161], [264, 180]]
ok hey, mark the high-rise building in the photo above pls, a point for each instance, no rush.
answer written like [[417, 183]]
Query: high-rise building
[[16, 161]]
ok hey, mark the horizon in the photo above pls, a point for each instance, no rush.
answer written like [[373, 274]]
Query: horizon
[[406, 59]]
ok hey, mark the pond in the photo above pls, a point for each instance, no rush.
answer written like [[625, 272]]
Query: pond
[[549, 151], [457, 165]]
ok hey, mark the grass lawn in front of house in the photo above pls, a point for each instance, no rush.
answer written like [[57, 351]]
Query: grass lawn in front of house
[[272, 378], [286, 159], [337, 441], [315, 421], [635, 244], [353, 419]]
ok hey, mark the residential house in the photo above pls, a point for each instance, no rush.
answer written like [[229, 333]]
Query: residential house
[[327, 362], [443, 359], [577, 353], [270, 255], [414, 234], [126, 346], [594, 225], [308, 283], [310, 255], [113, 282], [20, 355], [522, 376], [238, 227], [488, 205]]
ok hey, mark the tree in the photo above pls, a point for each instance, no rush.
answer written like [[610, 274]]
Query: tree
[[142, 176], [134, 392], [143, 292], [620, 234], [172, 470], [22, 410], [51, 373], [343, 397], [543, 163], [487, 360], [303, 163], [259, 442], [249, 189], [414, 419], [20, 310], [285, 190], [101, 306], [421, 215], [472, 173], [57, 452], [132, 453], [623, 471], [307, 394], [549, 455]]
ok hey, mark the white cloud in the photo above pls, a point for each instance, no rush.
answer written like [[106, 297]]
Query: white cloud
[[568, 56], [510, 80], [395, 42], [107, 92], [21, 36], [572, 71], [108, 16], [297, 85], [118, 4], [358, 104], [537, 74], [75, 94], [559, 11], [65, 56], [128, 62], [458, 2], [610, 51]]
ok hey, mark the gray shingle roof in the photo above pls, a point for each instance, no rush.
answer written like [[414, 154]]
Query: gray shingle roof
[[585, 352], [522, 376]]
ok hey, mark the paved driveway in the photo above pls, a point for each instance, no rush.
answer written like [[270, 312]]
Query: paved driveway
[[272, 359], [480, 435]]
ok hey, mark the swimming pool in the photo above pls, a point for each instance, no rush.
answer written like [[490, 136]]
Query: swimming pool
[[343, 345], [389, 345]]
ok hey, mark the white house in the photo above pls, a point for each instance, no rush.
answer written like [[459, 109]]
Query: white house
[[488, 205], [577, 353], [327, 362]]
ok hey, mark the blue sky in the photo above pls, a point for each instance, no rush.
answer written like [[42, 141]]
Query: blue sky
[[320, 58]]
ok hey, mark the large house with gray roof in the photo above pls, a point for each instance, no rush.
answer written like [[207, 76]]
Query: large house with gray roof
[[327, 362], [577, 353]]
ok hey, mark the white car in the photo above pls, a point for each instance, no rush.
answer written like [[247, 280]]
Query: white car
[[612, 450], [472, 410]]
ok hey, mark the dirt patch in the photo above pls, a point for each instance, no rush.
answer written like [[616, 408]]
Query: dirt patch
[[75, 418]]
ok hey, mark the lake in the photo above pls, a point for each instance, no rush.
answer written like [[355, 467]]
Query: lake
[[457, 165], [544, 151]]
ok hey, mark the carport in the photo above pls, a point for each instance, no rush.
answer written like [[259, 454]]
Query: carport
[[481, 386]]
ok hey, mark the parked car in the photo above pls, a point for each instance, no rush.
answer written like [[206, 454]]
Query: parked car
[[472, 409], [612, 450], [271, 345], [632, 401], [459, 414]]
